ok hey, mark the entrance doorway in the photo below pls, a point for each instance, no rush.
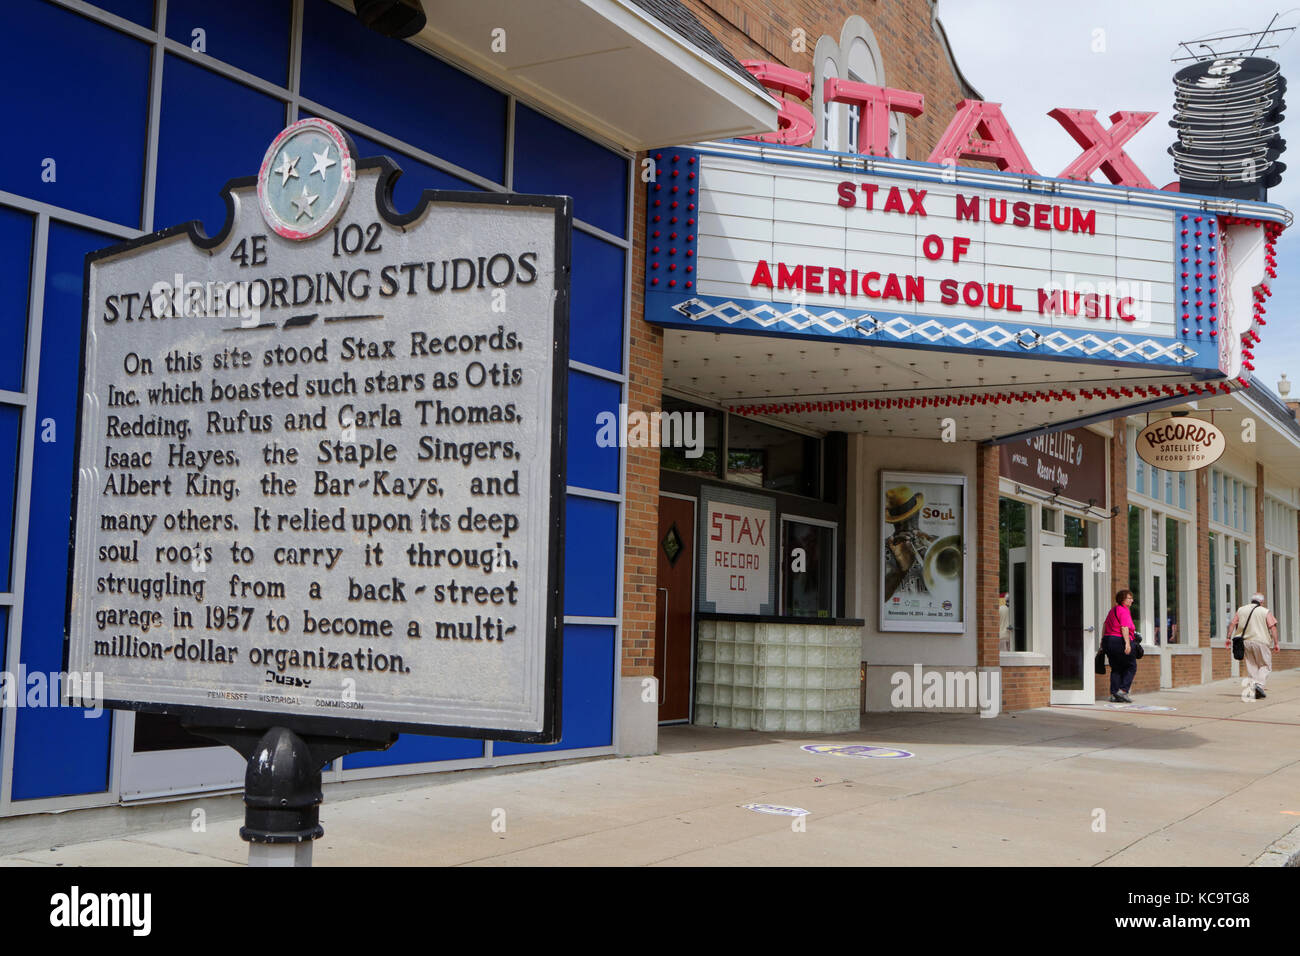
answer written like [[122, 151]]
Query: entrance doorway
[[675, 607], [1069, 592]]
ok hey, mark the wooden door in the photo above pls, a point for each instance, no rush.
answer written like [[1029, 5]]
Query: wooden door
[[674, 601]]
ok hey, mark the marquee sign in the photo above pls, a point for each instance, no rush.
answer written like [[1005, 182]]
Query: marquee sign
[[748, 240], [321, 461], [791, 242]]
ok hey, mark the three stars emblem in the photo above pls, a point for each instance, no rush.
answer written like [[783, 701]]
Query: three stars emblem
[[288, 169]]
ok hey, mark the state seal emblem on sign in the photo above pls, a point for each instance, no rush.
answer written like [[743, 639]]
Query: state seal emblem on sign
[[306, 179]]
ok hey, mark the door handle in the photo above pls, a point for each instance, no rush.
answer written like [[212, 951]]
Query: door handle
[[663, 684], [1090, 629]]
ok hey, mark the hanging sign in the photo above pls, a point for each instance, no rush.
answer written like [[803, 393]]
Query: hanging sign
[[1181, 444], [320, 457], [1069, 463]]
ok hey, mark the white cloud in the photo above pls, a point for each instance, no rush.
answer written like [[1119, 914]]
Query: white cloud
[[1035, 55]]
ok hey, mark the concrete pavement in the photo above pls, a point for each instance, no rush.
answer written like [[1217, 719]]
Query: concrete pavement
[[1214, 782]]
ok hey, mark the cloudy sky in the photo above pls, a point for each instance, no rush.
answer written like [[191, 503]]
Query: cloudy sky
[[1035, 55]]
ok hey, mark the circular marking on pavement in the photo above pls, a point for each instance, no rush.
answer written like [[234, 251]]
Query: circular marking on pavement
[[775, 809], [855, 750], [1147, 708]]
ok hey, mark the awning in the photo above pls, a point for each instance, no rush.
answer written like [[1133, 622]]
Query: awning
[[841, 292], [611, 66]]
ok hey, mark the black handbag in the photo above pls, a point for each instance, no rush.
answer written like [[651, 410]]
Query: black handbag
[[1099, 662], [1239, 640]]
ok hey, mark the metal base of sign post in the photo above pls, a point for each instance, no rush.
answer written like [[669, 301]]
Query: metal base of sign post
[[282, 787]]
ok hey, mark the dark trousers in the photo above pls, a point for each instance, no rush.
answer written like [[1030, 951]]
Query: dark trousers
[[1122, 666]]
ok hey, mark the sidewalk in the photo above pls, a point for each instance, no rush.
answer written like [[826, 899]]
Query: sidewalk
[[1214, 782]]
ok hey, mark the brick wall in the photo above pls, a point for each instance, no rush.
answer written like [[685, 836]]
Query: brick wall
[[1261, 554], [1203, 557], [988, 646], [1145, 681], [1186, 669], [1220, 662], [915, 58], [1118, 498], [641, 510], [1025, 687]]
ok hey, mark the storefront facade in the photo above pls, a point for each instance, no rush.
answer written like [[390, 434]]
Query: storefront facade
[[778, 289], [873, 459], [173, 98]]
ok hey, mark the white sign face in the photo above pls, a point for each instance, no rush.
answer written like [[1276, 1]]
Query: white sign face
[[782, 233], [319, 479], [1181, 444], [738, 557], [922, 559]]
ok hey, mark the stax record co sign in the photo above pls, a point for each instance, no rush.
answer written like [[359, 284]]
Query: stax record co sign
[[978, 130]]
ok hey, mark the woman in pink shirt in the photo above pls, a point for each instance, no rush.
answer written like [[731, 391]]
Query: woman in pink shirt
[[1117, 635]]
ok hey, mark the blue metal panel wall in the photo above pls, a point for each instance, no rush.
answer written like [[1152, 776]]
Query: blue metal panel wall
[[587, 719], [78, 93], [193, 166], [57, 751], [11, 418], [211, 128], [250, 34], [391, 86], [16, 253]]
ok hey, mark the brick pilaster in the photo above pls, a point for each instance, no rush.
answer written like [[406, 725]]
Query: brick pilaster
[[641, 502], [1203, 576], [988, 649], [1261, 555], [1119, 498]]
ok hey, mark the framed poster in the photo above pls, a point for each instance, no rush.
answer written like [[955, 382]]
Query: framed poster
[[923, 566]]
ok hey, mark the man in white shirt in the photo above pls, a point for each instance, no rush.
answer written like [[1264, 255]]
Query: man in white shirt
[[1258, 626]]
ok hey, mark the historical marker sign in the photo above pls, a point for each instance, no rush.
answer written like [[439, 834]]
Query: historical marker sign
[[321, 457]]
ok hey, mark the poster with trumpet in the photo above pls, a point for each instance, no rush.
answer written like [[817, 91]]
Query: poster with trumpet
[[923, 552]]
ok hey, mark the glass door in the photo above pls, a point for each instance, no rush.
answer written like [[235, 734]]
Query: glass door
[[1151, 617], [1068, 592]]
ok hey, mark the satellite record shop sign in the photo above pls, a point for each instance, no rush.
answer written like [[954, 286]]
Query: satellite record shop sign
[[320, 476]]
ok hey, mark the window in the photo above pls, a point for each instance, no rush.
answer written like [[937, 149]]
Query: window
[[1048, 522], [706, 439], [1013, 584], [808, 579], [1078, 532], [1214, 588], [1173, 581], [1135, 523], [765, 456], [830, 111]]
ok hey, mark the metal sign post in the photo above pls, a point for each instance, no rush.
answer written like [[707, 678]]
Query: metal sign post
[[321, 472]]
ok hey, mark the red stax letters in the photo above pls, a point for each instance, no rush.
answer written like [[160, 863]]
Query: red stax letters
[[875, 104], [1104, 149], [978, 130], [995, 140], [795, 122]]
